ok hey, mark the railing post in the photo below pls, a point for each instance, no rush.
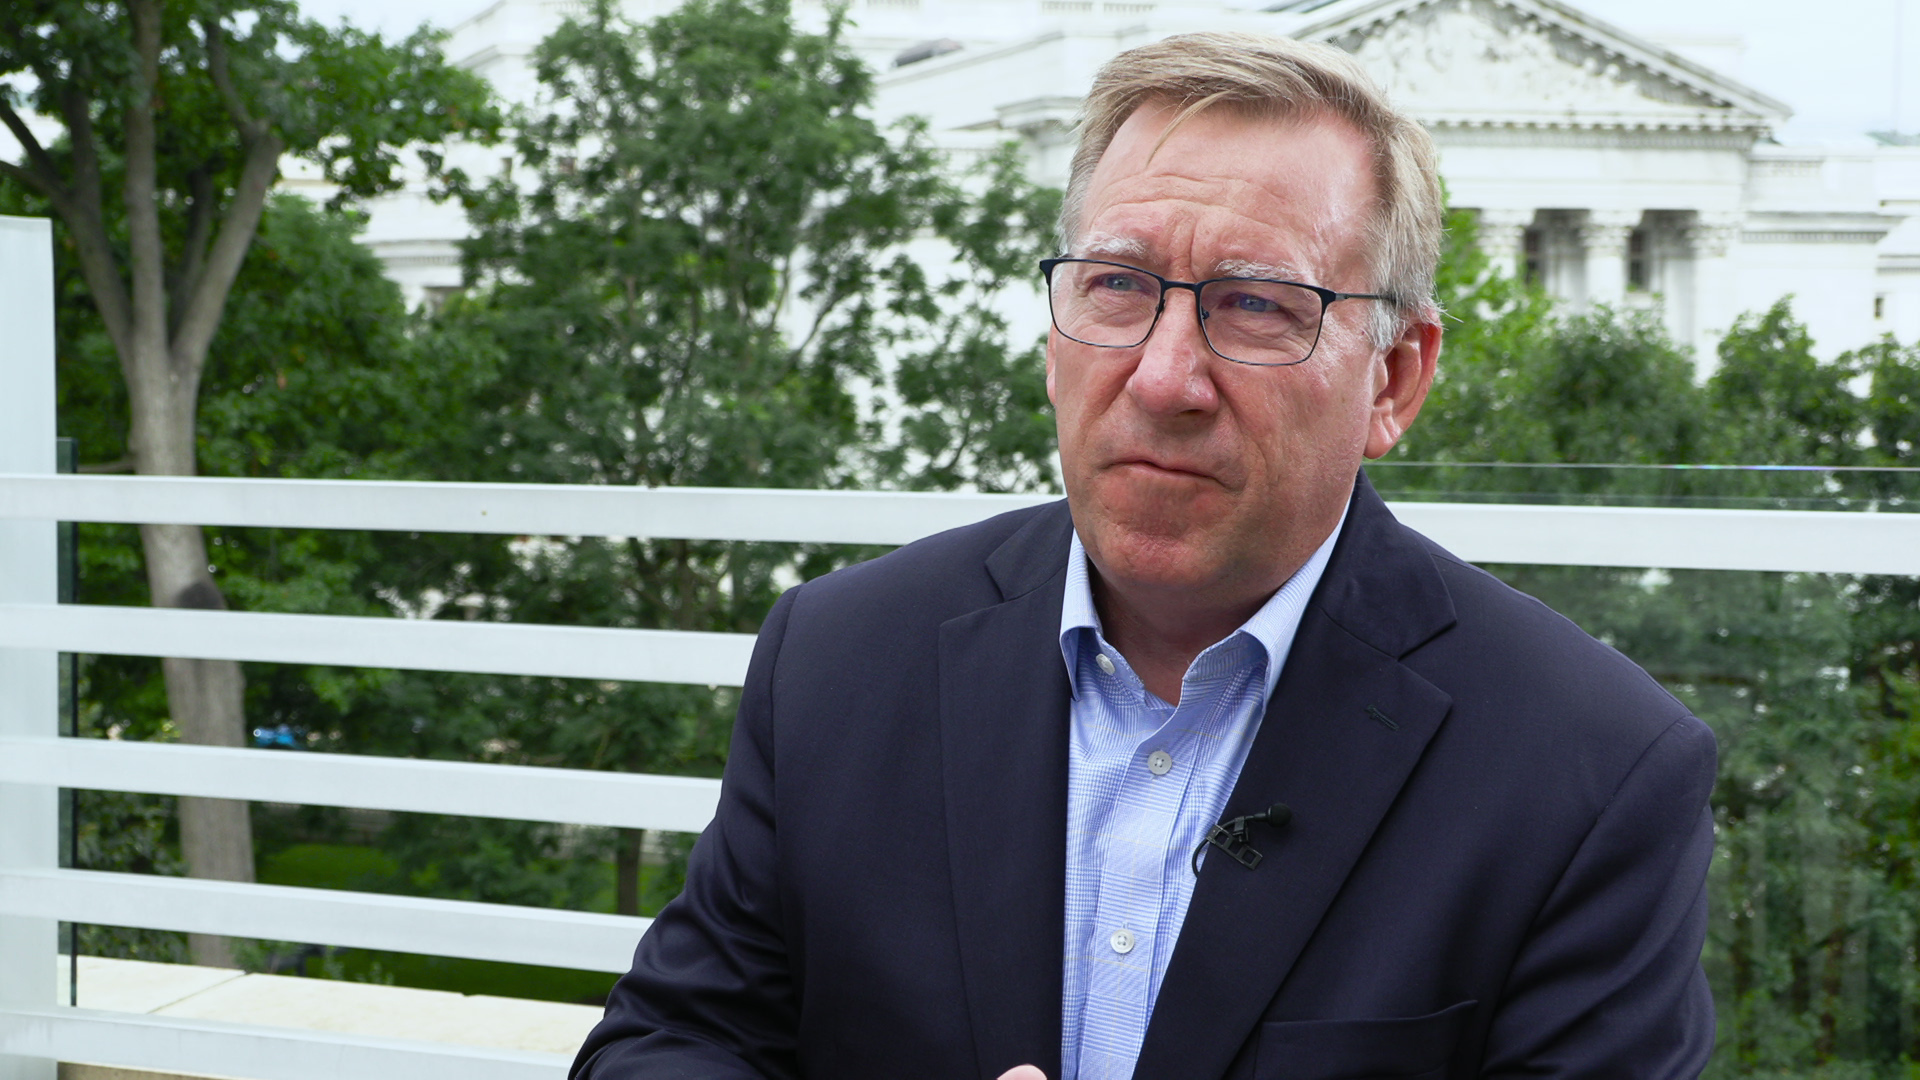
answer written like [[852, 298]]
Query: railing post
[[29, 678]]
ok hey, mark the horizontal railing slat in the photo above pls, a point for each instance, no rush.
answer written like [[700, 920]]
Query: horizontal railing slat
[[767, 514], [575, 652], [212, 1047], [519, 792], [1675, 538], [517, 935]]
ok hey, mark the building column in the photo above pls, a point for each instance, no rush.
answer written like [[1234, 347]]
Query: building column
[[1670, 274], [1603, 236], [1503, 235], [1710, 236]]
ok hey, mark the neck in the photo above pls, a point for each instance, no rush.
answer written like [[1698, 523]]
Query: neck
[[1160, 631]]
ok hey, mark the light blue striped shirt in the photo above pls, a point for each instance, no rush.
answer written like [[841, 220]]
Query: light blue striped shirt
[[1145, 779]]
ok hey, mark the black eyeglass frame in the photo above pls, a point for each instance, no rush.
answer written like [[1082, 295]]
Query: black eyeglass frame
[[1327, 298]]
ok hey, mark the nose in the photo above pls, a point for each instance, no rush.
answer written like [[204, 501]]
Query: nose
[[1173, 377]]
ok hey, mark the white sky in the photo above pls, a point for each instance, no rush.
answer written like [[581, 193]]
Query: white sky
[[1833, 62]]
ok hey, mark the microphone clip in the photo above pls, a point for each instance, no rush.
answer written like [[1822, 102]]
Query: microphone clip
[[1231, 836]]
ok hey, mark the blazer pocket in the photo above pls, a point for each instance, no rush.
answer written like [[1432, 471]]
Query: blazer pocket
[[1417, 1048]]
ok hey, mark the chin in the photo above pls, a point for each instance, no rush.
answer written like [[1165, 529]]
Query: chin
[[1172, 557]]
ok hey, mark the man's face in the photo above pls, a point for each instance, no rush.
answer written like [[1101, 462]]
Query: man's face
[[1186, 471]]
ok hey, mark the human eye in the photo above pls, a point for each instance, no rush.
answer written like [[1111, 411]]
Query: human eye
[[1267, 302], [1247, 303], [1117, 281]]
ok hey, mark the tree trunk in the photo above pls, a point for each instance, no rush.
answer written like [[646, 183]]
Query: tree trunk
[[626, 870], [206, 698]]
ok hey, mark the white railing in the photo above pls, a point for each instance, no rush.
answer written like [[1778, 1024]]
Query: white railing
[[35, 762]]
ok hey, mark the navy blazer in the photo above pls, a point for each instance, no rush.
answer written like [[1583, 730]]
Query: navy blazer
[[1495, 867]]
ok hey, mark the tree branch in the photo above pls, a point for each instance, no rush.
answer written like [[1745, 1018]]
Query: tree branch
[[798, 354], [34, 182], [141, 192], [202, 308], [223, 80], [78, 205], [45, 175], [193, 250], [86, 153]]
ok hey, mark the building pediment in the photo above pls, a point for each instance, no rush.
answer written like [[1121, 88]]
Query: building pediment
[[1532, 63]]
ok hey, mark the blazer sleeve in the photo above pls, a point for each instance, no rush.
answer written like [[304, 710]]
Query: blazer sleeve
[[711, 993], [1609, 982]]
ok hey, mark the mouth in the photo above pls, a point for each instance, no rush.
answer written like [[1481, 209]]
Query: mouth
[[1170, 470]]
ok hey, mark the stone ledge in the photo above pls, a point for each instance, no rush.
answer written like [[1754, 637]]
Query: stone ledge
[[70, 1071], [182, 990]]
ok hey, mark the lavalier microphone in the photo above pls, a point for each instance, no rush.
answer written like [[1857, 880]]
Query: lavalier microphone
[[1231, 836]]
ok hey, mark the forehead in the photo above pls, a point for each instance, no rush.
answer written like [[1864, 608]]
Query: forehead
[[1226, 188]]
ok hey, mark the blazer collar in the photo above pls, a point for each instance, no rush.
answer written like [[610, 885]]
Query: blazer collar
[[1381, 585], [1003, 735], [1034, 555]]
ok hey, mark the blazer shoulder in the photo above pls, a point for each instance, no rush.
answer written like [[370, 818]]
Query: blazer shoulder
[[1547, 718], [1549, 674]]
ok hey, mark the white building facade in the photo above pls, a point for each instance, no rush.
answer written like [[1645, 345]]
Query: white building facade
[[1617, 170]]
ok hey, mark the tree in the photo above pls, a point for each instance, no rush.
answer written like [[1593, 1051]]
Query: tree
[[1777, 402], [699, 273], [185, 111]]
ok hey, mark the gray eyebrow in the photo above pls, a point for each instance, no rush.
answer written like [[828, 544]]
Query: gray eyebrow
[[1109, 244], [1247, 268]]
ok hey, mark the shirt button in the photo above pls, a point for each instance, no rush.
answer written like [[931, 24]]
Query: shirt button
[[1105, 662], [1159, 763], [1122, 941]]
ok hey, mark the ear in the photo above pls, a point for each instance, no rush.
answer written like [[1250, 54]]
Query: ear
[[1405, 375], [1051, 397]]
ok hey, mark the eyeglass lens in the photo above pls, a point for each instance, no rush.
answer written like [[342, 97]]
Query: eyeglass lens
[[1244, 319]]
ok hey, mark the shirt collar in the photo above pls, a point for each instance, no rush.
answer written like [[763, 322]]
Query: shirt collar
[[1273, 627]]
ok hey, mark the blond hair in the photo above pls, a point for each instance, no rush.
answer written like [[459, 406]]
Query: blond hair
[[1285, 79]]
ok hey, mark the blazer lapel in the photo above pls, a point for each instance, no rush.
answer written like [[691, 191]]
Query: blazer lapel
[[1345, 726], [1004, 701]]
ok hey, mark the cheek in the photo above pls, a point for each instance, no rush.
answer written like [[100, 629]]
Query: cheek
[[1303, 420], [1080, 387]]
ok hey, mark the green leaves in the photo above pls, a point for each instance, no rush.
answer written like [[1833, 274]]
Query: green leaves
[[1779, 403], [346, 100], [350, 102]]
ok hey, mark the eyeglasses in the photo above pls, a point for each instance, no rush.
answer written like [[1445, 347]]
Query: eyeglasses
[[1257, 321]]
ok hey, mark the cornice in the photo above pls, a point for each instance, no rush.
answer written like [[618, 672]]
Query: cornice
[[1347, 24], [1592, 133], [1784, 236]]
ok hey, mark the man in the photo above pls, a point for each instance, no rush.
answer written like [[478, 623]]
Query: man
[[965, 827]]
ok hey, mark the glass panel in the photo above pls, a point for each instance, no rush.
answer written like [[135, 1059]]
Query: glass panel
[[1730, 487], [1811, 683]]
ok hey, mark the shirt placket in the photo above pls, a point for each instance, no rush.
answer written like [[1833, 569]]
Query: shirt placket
[[1123, 943]]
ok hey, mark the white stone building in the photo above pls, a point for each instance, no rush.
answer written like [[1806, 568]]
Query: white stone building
[[1617, 169]]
